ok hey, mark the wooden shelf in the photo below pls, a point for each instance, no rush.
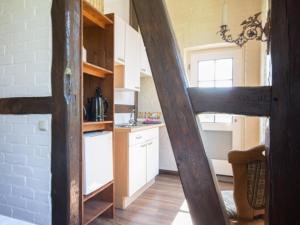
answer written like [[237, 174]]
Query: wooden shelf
[[92, 17], [97, 37], [96, 71], [95, 208], [94, 126], [88, 197]]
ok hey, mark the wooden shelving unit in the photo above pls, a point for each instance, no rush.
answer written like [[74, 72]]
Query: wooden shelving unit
[[92, 17], [96, 71], [96, 126], [98, 39], [95, 208], [88, 197]]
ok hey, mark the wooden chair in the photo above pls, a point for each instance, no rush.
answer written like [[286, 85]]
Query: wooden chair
[[247, 201]]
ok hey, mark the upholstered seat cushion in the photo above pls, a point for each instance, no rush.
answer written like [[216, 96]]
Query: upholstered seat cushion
[[229, 204]]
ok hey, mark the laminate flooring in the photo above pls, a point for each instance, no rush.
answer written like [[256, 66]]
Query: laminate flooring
[[162, 204]]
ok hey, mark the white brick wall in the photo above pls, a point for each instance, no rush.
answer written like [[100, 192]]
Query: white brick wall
[[25, 48], [25, 71], [25, 171]]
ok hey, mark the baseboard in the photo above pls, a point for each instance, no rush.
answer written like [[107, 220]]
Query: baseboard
[[168, 172], [128, 200], [225, 179]]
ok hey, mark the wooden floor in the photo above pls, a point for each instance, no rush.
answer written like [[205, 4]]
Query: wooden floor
[[161, 204]]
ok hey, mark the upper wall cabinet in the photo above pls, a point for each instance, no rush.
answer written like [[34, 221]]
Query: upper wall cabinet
[[132, 58], [128, 74], [144, 62], [120, 35]]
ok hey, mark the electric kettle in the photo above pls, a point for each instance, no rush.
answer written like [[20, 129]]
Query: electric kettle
[[97, 107]]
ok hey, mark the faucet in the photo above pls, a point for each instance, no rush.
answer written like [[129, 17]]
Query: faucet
[[132, 120]]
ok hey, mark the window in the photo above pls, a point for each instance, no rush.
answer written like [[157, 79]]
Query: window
[[215, 73], [216, 66]]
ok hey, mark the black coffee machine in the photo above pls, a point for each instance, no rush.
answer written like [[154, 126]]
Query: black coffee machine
[[96, 107]]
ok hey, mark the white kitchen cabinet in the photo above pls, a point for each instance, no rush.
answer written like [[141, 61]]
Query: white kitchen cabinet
[[152, 159], [144, 62], [132, 59], [137, 168], [128, 75], [120, 37], [136, 162]]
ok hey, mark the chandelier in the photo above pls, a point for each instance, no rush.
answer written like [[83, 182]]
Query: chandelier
[[252, 29]]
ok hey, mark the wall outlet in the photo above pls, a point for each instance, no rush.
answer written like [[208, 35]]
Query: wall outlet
[[43, 125]]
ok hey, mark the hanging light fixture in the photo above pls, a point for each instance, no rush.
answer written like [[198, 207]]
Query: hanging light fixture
[[252, 29]]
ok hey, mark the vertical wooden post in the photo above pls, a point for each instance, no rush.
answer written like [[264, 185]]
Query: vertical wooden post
[[284, 154], [199, 184], [66, 142]]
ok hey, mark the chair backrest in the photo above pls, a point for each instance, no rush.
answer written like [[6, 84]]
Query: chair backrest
[[256, 184], [249, 175]]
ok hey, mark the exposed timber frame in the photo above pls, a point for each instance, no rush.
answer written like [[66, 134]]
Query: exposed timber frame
[[66, 112], [252, 101], [19, 106], [180, 104], [179, 108], [284, 152]]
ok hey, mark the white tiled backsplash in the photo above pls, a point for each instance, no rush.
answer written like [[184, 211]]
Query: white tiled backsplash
[[123, 98], [121, 118]]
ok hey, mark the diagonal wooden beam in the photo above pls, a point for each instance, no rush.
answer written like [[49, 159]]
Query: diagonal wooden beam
[[21, 106], [199, 183], [251, 101]]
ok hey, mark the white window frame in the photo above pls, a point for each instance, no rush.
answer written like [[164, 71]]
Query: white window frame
[[237, 128], [215, 52]]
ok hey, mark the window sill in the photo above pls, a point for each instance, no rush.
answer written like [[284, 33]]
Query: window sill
[[217, 126]]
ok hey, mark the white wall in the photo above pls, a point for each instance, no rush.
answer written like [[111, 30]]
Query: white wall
[[25, 62], [25, 165], [25, 48]]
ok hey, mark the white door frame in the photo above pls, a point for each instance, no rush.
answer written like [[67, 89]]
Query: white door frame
[[192, 57]]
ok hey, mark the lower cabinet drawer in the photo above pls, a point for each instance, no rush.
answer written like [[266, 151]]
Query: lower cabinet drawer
[[140, 137]]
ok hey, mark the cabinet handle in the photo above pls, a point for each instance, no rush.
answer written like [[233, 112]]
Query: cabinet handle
[[120, 59], [150, 143], [139, 137], [144, 70], [143, 146]]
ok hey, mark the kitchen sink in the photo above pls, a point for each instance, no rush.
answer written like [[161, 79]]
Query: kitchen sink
[[128, 125]]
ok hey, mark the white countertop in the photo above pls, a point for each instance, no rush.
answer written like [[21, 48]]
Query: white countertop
[[139, 127]]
